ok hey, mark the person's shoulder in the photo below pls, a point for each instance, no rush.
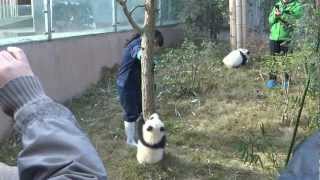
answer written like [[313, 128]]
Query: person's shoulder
[[138, 41], [296, 3], [134, 43]]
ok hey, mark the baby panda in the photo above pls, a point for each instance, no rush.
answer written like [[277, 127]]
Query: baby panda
[[237, 58], [152, 140]]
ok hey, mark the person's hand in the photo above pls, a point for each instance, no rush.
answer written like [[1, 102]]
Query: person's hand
[[13, 64]]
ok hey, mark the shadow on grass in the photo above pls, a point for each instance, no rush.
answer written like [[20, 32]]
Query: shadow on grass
[[174, 167]]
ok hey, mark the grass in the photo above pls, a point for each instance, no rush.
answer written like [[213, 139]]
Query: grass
[[208, 134]]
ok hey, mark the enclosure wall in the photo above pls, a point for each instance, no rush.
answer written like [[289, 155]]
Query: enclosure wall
[[67, 67]]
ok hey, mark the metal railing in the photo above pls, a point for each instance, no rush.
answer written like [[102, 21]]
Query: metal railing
[[8, 8], [41, 12]]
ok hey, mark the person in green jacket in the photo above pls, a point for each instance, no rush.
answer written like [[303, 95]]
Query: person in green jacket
[[282, 21]]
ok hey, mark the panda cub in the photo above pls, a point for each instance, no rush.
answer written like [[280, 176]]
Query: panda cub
[[237, 58], [152, 140]]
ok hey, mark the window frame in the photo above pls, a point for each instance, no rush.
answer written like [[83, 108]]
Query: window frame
[[49, 33]]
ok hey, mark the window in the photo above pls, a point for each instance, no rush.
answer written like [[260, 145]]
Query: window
[[19, 21], [169, 12], [26, 20], [138, 14], [80, 16]]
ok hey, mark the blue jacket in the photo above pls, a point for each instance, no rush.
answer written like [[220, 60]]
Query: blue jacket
[[129, 75]]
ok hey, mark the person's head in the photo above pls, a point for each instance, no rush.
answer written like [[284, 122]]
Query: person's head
[[158, 40]]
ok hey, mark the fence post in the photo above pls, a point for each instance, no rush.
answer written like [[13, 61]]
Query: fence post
[[1, 8], [244, 23], [160, 12], [48, 20], [8, 8], [114, 15]]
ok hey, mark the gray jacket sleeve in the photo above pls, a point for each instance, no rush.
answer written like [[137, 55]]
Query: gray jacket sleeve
[[304, 164], [54, 147]]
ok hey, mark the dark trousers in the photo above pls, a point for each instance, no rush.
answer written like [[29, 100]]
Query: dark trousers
[[278, 48], [131, 102]]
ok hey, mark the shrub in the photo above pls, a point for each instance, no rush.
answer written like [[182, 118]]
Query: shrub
[[188, 70]]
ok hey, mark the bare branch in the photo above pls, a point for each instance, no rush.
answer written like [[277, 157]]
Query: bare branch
[[139, 6], [122, 2], [124, 6]]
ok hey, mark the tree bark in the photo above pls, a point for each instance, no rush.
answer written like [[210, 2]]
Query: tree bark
[[232, 11], [239, 23], [244, 23], [147, 45]]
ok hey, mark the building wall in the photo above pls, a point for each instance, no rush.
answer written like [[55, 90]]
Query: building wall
[[67, 67]]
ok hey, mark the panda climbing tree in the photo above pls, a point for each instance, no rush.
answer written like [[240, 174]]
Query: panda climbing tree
[[147, 44], [151, 132]]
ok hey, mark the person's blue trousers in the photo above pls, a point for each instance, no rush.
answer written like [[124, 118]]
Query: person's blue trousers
[[131, 102]]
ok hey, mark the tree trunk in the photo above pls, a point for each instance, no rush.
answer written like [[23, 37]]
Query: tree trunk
[[147, 45], [147, 75], [232, 11], [244, 23], [239, 23]]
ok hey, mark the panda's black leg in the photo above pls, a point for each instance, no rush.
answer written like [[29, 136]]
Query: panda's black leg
[[140, 122]]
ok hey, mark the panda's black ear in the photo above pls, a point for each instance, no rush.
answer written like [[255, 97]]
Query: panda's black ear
[[248, 52], [150, 128]]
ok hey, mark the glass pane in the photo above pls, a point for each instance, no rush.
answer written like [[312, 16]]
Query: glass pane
[[87, 16], [21, 20], [169, 10], [138, 14]]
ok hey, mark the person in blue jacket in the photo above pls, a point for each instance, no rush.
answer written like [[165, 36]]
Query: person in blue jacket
[[129, 83]]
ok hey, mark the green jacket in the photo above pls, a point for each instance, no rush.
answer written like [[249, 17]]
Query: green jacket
[[282, 26]]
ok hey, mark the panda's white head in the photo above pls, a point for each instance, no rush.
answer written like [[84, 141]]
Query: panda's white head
[[153, 130], [246, 53]]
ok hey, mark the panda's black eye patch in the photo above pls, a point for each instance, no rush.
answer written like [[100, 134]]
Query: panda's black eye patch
[[150, 128], [162, 129]]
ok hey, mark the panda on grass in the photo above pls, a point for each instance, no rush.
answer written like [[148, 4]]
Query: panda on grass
[[152, 140], [237, 58]]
